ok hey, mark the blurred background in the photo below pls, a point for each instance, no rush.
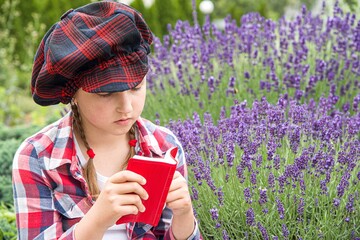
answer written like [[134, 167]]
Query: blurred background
[[23, 23]]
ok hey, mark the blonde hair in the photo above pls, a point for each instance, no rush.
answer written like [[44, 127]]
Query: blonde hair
[[89, 170]]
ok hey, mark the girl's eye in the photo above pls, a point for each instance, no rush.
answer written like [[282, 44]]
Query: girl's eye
[[104, 94], [137, 88]]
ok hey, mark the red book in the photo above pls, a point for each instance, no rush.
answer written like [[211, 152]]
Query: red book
[[158, 173]]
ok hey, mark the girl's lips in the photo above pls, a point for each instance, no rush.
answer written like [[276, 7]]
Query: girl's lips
[[125, 121]]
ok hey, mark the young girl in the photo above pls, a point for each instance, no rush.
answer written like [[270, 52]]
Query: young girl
[[69, 179]]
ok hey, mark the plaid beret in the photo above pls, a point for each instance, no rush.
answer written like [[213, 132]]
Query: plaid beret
[[100, 47]]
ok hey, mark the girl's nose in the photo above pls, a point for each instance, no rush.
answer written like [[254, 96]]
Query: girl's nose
[[123, 102]]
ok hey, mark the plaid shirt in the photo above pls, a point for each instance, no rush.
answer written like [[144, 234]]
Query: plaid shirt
[[50, 192]]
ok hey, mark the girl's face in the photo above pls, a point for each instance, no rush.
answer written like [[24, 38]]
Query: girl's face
[[110, 113]]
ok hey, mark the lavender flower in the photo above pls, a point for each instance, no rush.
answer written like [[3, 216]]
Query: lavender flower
[[225, 235], [263, 196], [220, 195], [214, 214], [350, 204], [271, 181], [285, 231], [300, 208], [247, 195], [250, 217], [344, 183], [195, 193], [336, 202], [277, 162], [253, 178], [263, 231], [280, 208]]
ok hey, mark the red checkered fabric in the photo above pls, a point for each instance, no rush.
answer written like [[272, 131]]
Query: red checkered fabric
[[100, 47]]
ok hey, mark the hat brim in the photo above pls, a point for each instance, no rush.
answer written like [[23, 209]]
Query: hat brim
[[117, 77]]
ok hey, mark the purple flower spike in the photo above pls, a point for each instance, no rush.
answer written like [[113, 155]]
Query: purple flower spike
[[263, 196], [336, 202], [225, 235], [250, 217], [214, 214], [285, 231], [280, 208], [271, 181], [300, 209], [263, 231], [247, 194], [350, 204]]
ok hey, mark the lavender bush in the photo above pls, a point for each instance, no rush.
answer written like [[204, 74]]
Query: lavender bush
[[308, 57], [270, 122], [284, 170]]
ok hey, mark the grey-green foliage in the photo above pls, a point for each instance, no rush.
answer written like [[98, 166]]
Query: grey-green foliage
[[6, 192], [7, 151], [27, 21], [164, 12], [10, 140], [7, 222], [15, 74], [19, 132]]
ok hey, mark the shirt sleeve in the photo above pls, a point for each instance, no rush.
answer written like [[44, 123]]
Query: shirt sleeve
[[194, 236], [36, 217]]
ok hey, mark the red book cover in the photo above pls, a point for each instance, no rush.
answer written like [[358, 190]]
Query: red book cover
[[158, 173]]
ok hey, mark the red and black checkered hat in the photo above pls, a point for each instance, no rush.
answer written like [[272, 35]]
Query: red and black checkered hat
[[100, 47]]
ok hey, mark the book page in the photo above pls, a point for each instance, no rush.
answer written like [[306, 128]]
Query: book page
[[168, 158]]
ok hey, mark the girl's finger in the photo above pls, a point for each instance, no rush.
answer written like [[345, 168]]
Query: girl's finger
[[178, 182], [181, 193], [126, 188], [127, 176], [129, 209], [130, 200]]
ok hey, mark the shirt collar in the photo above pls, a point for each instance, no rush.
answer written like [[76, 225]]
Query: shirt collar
[[63, 150], [148, 142]]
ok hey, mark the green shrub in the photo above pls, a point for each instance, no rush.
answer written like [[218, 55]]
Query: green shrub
[[6, 193], [19, 132], [7, 222], [10, 140]]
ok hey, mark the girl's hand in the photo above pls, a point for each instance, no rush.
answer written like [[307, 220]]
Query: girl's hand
[[121, 196], [178, 199], [179, 202]]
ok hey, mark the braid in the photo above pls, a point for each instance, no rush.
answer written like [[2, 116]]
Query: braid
[[132, 148], [89, 169]]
